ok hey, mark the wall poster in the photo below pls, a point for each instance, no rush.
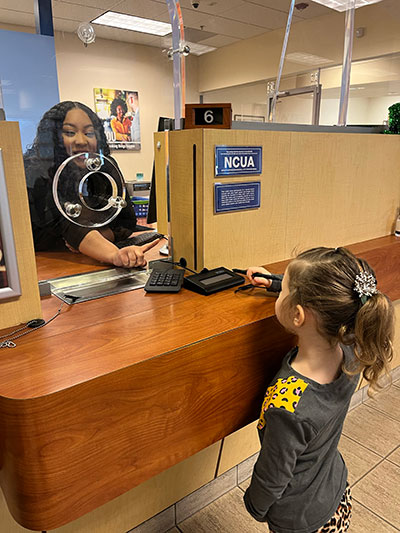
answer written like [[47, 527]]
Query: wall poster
[[9, 275], [119, 112]]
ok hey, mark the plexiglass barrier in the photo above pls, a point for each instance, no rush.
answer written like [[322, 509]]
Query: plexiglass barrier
[[89, 190]]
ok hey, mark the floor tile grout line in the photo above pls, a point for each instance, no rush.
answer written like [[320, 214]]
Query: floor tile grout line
[[382, 412], [363, 445], [376, 466], [390, 460], [374, 513], [217, 497], [368, 472]]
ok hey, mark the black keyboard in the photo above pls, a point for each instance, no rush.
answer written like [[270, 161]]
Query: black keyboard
[[139, 240], [165, 281]]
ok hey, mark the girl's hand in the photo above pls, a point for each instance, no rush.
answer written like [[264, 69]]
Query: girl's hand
[[132, 256], [258, 282]]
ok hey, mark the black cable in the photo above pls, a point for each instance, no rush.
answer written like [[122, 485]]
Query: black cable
[[34, 325], [181, 263]]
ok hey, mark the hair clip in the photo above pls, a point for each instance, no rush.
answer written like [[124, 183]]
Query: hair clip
[[365, 285]]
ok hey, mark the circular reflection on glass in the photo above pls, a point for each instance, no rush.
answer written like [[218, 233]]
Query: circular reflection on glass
[[90, 194], [97, 190]]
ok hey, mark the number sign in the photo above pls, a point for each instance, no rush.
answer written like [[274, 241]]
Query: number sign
[[208, 116]]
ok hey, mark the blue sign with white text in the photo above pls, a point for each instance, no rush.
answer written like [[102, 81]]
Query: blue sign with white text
[[236, 196], [238, 160]]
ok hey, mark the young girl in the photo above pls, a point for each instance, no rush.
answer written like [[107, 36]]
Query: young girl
[[344, 326]]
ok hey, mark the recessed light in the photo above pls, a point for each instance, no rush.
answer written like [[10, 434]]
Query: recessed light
[[343, 5], [129, 22]]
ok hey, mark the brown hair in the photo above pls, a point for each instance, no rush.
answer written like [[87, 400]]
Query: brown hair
[[323, 280]]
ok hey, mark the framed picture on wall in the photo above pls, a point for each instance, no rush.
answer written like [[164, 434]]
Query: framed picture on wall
[[119, 111], [9, 275]]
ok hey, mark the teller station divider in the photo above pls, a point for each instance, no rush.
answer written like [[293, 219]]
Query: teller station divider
[[325, 189]]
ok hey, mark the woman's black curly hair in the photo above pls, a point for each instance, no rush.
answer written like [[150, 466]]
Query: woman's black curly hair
[[48, 147], [115, 103]]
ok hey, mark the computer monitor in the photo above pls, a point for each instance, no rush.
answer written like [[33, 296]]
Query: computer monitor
[[164, 124]]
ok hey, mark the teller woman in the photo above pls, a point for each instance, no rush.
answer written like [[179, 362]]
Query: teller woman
[[67, 129]]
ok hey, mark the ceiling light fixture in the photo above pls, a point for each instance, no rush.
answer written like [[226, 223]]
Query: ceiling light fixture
[[343, 5], [128, 22]]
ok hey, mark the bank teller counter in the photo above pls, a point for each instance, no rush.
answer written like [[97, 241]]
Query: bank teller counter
[[116, 390]]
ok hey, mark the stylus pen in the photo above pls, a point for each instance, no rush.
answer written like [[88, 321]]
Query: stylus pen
[[267, 276], [277, 277]]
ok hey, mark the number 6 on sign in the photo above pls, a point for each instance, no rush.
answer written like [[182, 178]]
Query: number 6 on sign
[[208, 116]]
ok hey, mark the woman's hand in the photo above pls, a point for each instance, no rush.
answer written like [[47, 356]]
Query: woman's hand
[[258, 282], [132, 256], [95, 245]]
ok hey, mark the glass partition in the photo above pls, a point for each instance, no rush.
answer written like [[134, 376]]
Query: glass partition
[[314, 56]]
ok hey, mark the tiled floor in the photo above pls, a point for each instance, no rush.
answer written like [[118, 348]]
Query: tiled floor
[[371, 447]]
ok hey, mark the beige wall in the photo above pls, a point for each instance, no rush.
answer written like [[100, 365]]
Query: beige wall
[[118, 65], [258, 58]]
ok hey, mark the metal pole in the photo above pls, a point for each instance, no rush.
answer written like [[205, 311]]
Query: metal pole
[[271, 117], [178, 59], [346, 69], [43, 17]]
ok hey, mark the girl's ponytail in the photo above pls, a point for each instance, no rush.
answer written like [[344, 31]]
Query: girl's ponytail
[[374, 331], [341, 290]]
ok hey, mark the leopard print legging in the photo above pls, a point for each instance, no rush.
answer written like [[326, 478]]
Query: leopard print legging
[[340, 521]]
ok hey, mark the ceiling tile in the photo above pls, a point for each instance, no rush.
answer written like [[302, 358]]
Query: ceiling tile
[[195, 36], [62, 10], [98, 4], [219, 25], [218, 41], [25, 6], [148, 9], [313, 9], [257, 15], [211, 7], [63, 25], [7, 16]]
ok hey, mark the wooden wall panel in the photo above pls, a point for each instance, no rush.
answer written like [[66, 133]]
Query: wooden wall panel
[[149, 498], [316, 189], [239, 446], [27, 306], [184, 163], [253, 236], [161, 162], [344, 188], [396, 358]]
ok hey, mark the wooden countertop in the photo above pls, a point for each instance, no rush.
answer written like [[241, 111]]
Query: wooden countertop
[[94, 338], [109, 383]]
